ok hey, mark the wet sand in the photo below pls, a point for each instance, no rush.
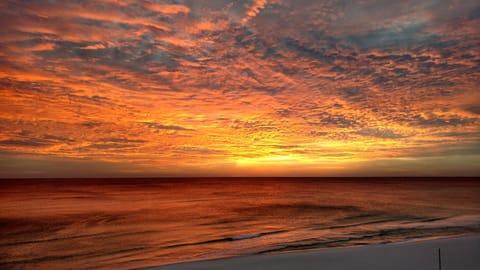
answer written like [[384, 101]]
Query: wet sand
[[456, 254]]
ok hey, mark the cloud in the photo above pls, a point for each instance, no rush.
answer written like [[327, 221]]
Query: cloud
[[254, 9], [436, 121], [26, 143], [168, 127], [474, 109], [122, 140], [169, 9], [215, 83], [380, 133]]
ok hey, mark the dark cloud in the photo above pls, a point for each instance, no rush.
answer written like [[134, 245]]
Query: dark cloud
[[45, 140], [26, 143], [10, 83], [41, 166], [104, 146], [253, 125], [435, 121], [473, 109], [200, 151], [353, 94], [122, 140], [332, 120], [91, 124], [167, 127], [458, 134], [380, 133], [391, 38], [57, 138]]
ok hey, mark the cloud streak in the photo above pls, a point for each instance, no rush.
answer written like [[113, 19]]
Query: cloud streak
[[254, 9]]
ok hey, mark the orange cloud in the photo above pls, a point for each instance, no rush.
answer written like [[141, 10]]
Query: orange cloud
[[169, 9], [254, 10], [185, 89]]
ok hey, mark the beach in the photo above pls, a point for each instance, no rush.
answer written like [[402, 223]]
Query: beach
[[456, 254]]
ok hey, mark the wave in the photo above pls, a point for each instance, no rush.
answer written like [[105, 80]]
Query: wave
[[405, 219], [228, 239], [104, 235], [68, 257], [386, 235]]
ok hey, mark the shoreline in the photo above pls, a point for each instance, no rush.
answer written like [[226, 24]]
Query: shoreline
[[458, 253]]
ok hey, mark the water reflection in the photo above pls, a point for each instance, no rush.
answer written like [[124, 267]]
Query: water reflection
[[88, 224]]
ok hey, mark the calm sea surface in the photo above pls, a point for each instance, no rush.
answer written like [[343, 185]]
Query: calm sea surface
[[125, 224]]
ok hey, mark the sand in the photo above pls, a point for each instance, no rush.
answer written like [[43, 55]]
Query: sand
[[456, 253]]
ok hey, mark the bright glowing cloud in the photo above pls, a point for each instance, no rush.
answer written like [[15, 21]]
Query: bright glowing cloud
[[151, 88]]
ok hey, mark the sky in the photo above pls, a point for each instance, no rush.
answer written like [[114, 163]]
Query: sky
[[123, 88]]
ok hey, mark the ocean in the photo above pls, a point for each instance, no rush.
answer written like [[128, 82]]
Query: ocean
[[136, 223]]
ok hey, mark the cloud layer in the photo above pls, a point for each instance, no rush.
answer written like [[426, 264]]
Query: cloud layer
[[240, 87]]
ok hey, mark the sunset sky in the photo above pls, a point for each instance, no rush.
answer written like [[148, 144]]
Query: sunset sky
[[109, 88]]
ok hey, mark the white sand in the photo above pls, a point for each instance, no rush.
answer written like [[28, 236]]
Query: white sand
[[457, 254]]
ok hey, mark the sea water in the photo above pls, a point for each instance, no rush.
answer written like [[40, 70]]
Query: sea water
[[134, 223]]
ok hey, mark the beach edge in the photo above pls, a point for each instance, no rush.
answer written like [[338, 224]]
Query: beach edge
[[459, 253]]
